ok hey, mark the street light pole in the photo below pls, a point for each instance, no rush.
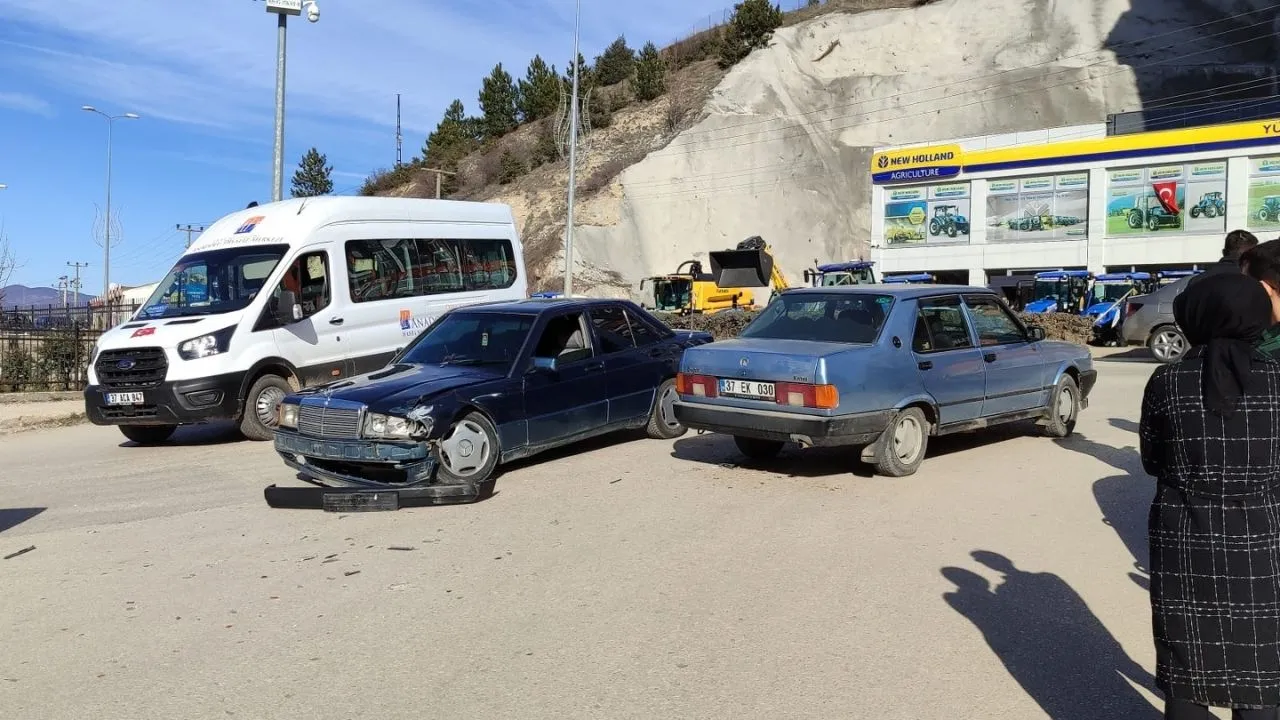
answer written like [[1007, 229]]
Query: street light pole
[[573, 157], [283, 9], [106, 225]]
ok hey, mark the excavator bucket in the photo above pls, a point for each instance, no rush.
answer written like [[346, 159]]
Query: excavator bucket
[[741, 268]]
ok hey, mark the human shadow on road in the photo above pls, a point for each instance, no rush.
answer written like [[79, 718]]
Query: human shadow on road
[[1051, 642], [718, 449], [1124, 499], [12, 517]]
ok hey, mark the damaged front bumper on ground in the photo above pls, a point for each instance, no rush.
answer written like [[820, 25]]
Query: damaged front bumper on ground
[[352, 475]]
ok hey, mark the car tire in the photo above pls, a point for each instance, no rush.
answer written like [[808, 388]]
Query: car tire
[[903, 445], [757, 449], [1167, 344], [662, 418], [147, 434], [1064, 408], [468, 453], [258, 420]]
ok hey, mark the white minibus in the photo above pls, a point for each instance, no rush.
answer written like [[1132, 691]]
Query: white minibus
[[293, 294]]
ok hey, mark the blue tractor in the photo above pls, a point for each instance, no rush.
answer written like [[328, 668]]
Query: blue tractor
[[1059, 291], [1106, 300], [857, 272], [910, 279]]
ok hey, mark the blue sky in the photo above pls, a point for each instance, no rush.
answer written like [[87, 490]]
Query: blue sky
[[203, 80]]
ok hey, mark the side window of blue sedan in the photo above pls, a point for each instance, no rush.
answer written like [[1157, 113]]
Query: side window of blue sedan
[[612, 329], [941, 325], [994, 323]]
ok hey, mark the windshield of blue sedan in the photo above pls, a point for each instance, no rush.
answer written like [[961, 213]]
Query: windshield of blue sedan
[[834, 317], [471, 338], [213, 282]]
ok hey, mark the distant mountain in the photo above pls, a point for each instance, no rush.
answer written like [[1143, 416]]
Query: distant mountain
[[23, 296]]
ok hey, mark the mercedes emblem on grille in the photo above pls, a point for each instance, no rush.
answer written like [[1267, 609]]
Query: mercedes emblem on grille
[[126, 364]]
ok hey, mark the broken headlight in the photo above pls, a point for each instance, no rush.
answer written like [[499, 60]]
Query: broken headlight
[[389, 427]]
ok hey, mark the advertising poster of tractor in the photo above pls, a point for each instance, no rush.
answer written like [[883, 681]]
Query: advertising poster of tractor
[[1264, 194], [931, 214], [1189, 198], [1038, 208]]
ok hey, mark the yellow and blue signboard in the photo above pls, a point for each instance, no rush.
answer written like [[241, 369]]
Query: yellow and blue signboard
[[945, 161]]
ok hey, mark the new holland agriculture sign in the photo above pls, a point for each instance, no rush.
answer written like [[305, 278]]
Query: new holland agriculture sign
[[913, 164], [945, 161]]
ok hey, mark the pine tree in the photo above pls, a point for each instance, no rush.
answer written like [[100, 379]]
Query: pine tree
[[313, 175], [651, 73], [454, 138], [751, 27], [539, 91], [585, 81], [616, 63], [498, 103]]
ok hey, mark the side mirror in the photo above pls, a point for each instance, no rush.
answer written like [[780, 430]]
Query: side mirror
[[1036, 333], [288, 311], [547, 364]]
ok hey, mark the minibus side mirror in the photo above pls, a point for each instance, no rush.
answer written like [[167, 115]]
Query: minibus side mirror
[[288, 311]]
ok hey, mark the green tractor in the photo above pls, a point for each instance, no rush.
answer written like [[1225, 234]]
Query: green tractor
[[1270, 210]]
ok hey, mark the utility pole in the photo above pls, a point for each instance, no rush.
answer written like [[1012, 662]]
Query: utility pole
[[573, 157], [399, 136], [439, 173], [75, 284], [188, 230], [62, 285]]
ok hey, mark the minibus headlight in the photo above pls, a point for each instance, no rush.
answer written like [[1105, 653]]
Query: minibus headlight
[[212, 344], [287, 415]]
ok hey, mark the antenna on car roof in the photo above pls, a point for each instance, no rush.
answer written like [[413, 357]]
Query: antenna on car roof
[[252, 204]]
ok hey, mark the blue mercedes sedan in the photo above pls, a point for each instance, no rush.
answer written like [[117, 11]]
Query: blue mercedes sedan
[[881, 369], [483, 385]]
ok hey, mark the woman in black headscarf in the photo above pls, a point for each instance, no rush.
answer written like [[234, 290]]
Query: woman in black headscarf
[[1210, 434]]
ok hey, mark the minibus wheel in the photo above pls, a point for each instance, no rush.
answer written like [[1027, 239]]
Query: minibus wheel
[[260, 404]]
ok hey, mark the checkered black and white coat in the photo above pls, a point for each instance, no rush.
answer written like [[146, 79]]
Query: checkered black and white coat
[[1214, 530]]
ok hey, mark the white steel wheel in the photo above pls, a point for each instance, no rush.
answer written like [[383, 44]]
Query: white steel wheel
[[903, 444]]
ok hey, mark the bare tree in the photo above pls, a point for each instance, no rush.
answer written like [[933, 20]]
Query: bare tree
[[8, 263]]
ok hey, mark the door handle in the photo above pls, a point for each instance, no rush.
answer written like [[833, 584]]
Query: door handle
[[657, 352], [335, 321], [593, 367], [989, 357], [925, 365]]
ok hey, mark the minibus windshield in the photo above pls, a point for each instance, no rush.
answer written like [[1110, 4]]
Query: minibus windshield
[[213, 282]]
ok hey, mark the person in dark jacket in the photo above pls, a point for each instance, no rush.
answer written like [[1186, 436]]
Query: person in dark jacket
[[1238, 242], [1262, 263], [1208, 434]]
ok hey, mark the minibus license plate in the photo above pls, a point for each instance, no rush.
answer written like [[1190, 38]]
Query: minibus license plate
[[746, 388], [133, 398]]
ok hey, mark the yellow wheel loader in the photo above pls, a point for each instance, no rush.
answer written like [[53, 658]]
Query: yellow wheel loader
[[693, 292], [750, 265]]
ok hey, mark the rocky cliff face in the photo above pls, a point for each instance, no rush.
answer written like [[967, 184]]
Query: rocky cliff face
[[782, 148]]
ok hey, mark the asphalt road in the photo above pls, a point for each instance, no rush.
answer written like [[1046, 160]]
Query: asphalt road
[[627, 579]]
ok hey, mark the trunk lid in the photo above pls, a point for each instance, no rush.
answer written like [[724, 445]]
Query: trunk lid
[[765, 360]]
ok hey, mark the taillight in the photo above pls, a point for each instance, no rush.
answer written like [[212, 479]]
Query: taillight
[[1131, 308], [824, 397], [696, 385]]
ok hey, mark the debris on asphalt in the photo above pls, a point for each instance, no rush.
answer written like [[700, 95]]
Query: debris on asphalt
[[23, 551], [401, 547], [615, 482], [349, 573]]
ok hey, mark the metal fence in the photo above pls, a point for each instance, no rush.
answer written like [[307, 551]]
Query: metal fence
[[49, 349]]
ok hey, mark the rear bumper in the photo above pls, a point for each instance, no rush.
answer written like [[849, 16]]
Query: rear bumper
[[857, 429], [178, 402]]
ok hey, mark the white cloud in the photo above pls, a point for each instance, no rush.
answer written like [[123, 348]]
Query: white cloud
[[25, 103]]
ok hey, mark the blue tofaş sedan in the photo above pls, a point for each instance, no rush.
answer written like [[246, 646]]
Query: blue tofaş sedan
[[483, 385], [881, 368]]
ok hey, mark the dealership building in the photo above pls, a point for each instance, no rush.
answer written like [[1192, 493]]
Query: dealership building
[[972, 209]]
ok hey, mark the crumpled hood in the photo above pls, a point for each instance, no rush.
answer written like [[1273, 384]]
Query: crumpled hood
[[399, 386]]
